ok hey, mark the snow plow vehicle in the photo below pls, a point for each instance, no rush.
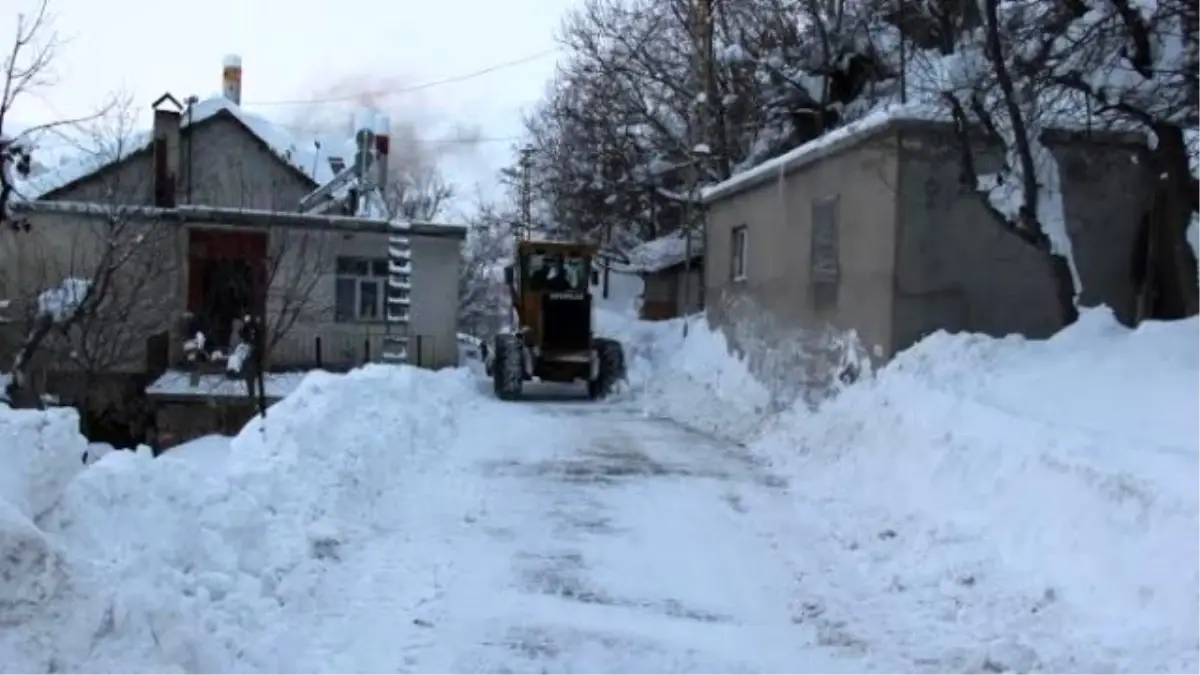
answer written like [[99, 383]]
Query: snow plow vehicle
[[549, 284]]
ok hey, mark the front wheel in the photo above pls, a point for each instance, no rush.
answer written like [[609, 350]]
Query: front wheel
[[508, 367], [611, 358]]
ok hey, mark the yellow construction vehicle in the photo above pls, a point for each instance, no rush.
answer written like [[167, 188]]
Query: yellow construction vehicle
[[549, 285]]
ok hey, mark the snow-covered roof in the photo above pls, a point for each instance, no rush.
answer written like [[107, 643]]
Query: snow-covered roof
[[850, 134], [819, 147], [179, 384], [309, 158], [659, 254]]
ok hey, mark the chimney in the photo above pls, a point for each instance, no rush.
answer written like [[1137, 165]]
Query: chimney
[[383, 146], [231, 78], [167, 115], [364, 138]]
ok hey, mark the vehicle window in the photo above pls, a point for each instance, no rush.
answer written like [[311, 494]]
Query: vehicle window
[[577, 273], [555, 272]]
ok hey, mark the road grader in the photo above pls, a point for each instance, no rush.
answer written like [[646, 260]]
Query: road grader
[[549, 286]]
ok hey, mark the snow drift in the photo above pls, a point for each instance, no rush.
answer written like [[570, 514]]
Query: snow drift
[[171, 564], [978, 503], [42, 452], [1013, 503], [699, 382]]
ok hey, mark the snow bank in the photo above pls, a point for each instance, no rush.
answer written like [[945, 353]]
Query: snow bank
[[42, 452], [200, 560], [1037, 499], [694, 380], [699, 381]]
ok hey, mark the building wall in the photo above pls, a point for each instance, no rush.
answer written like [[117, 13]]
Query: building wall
[[436, 262], [776, 297], [138, 298], [301, 299], [665, 295], [234, 170], [958, 269], [688, 290]]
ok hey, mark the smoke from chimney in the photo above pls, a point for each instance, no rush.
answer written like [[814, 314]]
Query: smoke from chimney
[[231, 78]]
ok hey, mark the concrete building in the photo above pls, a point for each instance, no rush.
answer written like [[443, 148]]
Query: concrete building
[[216, 213], [671, 287], [869, 228]]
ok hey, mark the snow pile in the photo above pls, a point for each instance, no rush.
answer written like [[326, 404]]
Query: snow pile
[[701, 385], [693, 380], [41, 454], [208, 559], [1035, 498]]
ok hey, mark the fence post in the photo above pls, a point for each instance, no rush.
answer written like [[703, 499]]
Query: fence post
[[420, 350], [317, 349]]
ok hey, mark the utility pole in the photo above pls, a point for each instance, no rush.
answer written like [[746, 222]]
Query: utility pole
[[688, 212], [702, 36], [903, 21], [526, 198], [712, 112]]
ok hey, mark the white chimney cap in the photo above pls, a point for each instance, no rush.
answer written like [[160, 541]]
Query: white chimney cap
[[232, 61], [383, 124], [364, 118]]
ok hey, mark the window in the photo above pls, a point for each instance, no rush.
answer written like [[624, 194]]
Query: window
[[825, 271], [552, 271], [737, 266], [361, 287]]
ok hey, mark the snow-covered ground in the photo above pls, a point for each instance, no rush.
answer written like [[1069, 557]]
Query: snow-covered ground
[[977, 505], [985, 503]]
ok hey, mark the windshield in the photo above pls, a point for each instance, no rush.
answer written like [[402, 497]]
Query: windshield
[[556, 272]]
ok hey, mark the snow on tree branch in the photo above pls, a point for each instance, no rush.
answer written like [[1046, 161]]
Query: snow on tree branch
[[64, 301]]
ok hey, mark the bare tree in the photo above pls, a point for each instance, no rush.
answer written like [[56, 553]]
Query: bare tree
[[483, 301], [297, 263], [93, 277], [1137, 66], [992, 106], [26, 70]]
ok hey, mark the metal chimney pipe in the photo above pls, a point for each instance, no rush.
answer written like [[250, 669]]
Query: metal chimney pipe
[[383, 147], [231, 78]]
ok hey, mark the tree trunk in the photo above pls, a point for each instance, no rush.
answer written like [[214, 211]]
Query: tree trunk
[[1064, 288], [1170, 263], [21, 393]]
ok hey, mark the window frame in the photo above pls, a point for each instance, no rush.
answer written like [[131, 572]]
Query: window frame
[[739, 253], [825, 252], [371, 272]]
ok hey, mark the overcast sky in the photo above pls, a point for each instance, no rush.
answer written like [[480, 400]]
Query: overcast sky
[[292, 49]]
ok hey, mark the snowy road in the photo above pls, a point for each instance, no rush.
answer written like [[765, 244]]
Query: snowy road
[[612, 542]]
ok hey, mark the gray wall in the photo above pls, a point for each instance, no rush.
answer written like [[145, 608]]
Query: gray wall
[[775, 297], [958, 269], [917, 252], [436, 262], [433, 318]]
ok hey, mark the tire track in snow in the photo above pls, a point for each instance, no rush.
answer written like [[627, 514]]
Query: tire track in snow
[[607, 541]]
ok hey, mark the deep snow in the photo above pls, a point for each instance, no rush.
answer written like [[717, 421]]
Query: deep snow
[[986, 503], [978, 504]]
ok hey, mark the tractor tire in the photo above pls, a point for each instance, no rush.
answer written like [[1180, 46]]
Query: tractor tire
[[612, 367], [508, 367]]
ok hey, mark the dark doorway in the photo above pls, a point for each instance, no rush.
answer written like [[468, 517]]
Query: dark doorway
[[227, 279], [228, 296]]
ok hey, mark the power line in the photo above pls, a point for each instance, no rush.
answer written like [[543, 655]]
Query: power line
[[407, 90]]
